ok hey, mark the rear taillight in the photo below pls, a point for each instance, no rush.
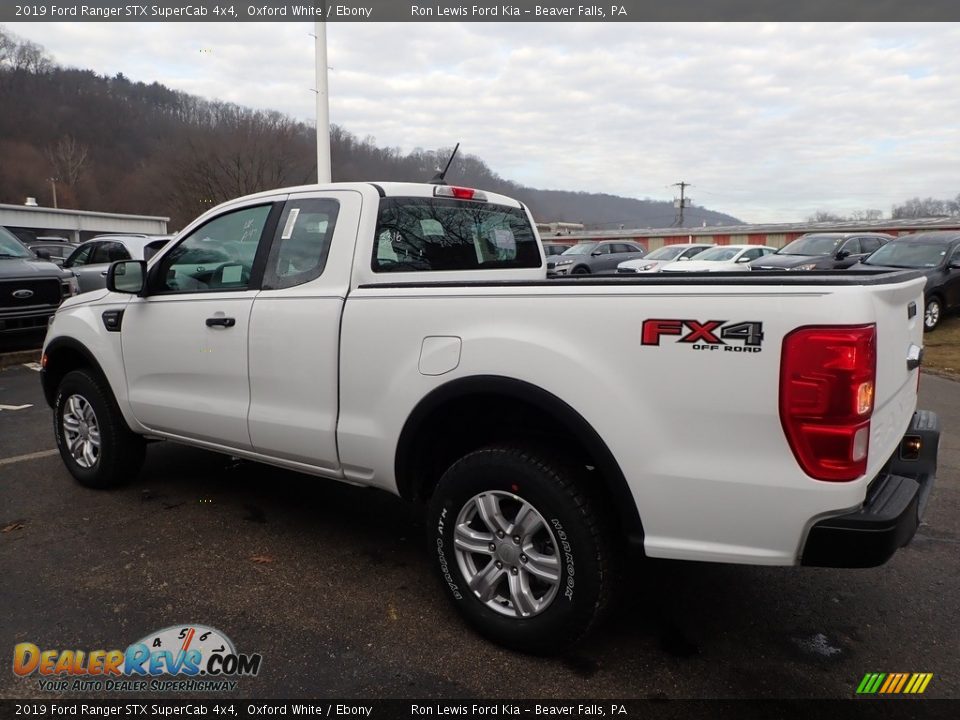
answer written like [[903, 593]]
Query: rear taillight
[[827, 386]]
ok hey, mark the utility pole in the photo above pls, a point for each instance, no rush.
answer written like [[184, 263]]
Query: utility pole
[[681, 203], [323, 104], [53, 186]]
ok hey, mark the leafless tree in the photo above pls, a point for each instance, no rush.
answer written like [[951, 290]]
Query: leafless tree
[[917, 208], [867, 215], [67, 158], [8, 47], [825, 216]]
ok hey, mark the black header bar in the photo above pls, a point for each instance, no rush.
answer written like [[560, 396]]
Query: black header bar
[[478, 11]]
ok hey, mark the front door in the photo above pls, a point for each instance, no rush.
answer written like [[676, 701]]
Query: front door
[[185, 343], [295, 329]]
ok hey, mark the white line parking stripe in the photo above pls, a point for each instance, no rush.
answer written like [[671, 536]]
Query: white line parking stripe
[[35, 366], [29, 456]]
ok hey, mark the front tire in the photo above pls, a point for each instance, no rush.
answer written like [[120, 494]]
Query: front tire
[[932, 313], [581, 270], [96, 445], [522, 549]]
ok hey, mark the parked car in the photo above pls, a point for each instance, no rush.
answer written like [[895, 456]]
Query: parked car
[[52, 249], [661, 256], [822, 251], [30, 288], [937, 256], [723, 258], [551, 248], [92, 258], [593, 257]]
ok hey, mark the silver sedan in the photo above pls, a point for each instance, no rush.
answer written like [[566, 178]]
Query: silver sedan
[[91, 260]]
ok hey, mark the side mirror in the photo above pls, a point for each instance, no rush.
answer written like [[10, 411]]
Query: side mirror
[[596, 252], [127, 276], [744, 259], [954, 265], [42, 254], [683, 259], [842, 254]]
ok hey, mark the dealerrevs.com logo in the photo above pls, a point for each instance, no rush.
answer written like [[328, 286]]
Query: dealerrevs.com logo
[[180, 658]]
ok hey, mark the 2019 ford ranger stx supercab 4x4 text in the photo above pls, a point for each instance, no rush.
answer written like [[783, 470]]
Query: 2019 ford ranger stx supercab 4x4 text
[[404, 336]]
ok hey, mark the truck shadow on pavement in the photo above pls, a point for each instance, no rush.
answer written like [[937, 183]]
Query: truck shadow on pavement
[[356, 560]]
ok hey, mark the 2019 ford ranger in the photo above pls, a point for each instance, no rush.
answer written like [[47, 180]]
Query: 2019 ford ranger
[[404, 336]]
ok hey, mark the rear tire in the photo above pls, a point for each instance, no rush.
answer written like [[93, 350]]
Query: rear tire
[[96, 445], [524, 552], [932, 313]]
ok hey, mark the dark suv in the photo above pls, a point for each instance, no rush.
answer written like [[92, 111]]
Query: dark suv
[[822, 251], [31, 289], [937, 255]]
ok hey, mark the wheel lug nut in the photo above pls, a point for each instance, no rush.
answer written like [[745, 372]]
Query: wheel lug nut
[[499, 565], [516, 539], [492, 547], [523, 558], [513, 571], [500, 534]]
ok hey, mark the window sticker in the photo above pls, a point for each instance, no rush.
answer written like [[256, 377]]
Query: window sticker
[[232, 274], [504, 240], [291, 222], [429, 226]]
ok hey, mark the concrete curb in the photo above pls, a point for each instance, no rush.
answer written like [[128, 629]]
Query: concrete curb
[[19, 357]]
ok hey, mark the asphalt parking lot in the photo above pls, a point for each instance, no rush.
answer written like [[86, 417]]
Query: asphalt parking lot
[[332, 585]]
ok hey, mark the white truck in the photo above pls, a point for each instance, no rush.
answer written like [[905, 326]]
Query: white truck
[[404, 336]]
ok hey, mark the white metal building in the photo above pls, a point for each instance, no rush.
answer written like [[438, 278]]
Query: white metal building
[[77, 225]]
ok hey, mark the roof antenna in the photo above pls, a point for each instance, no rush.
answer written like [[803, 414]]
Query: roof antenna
[[438, 179]]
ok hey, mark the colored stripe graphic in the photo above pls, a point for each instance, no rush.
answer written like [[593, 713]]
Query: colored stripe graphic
[[894, 683]]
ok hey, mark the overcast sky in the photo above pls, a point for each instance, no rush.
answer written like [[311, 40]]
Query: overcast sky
[[769, 122]]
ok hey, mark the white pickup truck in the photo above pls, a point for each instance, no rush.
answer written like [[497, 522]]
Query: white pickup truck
[[404, 336]]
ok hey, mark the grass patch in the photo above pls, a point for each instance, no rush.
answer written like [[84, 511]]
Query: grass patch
[[942, 348]]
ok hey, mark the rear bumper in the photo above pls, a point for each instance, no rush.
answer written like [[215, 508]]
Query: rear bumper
[[891, 513]]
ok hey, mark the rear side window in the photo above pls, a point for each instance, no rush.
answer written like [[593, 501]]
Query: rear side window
[[302, 243], [418, 234]]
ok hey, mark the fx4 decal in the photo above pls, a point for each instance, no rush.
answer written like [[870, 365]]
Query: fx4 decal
[[709, 335]]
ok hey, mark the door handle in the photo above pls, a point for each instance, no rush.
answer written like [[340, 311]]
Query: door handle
[[104, 273], [221, 322]]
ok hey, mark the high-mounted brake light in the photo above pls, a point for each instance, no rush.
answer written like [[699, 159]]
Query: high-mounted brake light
[[459, 193], [827, 385]]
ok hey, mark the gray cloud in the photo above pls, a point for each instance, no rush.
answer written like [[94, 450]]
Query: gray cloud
[[768, 121]]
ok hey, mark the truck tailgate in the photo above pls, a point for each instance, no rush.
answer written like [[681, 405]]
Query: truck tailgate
[[899, 313]]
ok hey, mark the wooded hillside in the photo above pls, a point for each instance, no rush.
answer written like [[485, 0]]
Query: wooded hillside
[[121, 146]]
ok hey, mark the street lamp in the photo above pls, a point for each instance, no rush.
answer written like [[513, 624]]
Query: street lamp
[[53, 186]]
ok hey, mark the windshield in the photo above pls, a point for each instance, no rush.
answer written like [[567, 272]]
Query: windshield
[[719, 254], [908, 255], [580, 249], [812, 245], [667, 252], [11, 247]]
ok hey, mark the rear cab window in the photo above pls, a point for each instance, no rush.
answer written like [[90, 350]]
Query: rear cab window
[[416, 234]]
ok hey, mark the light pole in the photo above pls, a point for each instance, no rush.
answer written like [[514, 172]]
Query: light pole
[[53, 186], [323, 104]]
